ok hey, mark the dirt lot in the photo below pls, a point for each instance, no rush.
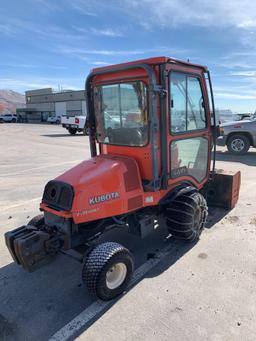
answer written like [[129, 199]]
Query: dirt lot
[[205, 291]]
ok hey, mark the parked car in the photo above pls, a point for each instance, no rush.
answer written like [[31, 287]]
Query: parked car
[[8, 118], [54, 119], [238, 136]]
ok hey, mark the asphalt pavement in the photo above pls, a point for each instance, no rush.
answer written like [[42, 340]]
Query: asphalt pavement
[[202, 291]]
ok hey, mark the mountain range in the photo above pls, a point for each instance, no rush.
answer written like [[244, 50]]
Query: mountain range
[[10, 100]]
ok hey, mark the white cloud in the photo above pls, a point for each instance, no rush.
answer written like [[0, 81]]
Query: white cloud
[[233, 64], [79, 52], [32, 66], [236, 91], [108, 32], [215, 13], [226, 95], [102, 52], [48, 5], [98, 63], [247, 24], [84, 7], [7, 29], [244, 59], [31, 83], [50, 32], [244, 73]]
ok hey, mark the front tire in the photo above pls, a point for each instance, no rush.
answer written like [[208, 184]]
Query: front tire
[[107, 270], [186, 216], [238, 144]]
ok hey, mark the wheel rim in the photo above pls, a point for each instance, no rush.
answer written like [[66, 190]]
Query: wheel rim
[[116, 275], [237, 145]]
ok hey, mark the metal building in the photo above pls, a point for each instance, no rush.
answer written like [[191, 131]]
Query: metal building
[[44, 103]]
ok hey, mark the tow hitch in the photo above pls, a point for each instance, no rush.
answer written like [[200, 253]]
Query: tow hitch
[[31, 247]]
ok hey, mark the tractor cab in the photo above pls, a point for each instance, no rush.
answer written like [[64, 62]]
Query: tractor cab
[[158, 112]]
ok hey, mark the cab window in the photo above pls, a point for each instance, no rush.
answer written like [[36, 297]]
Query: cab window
[[187, 108], [189, 157], [121, 113]]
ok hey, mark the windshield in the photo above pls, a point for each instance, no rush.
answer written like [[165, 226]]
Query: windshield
[[121, 113]]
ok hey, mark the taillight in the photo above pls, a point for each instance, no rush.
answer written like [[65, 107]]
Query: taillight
[[77, 120]]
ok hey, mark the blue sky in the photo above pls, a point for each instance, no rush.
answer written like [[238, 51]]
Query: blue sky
[[50, 43]]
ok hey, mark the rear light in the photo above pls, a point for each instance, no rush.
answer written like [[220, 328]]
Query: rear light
[[77, 120]]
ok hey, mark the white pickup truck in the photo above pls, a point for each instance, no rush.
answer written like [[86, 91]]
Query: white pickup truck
[[75, 124]]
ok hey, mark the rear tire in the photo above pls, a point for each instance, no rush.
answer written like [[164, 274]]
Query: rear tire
[[107, 270], [72, 131], [86, 131], [238, 144], [186, 216]]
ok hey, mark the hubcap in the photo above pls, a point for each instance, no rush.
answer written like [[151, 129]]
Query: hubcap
[[237, 145], [116, 275]]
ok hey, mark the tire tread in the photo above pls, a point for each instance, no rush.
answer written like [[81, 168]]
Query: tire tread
[[180, 216], [96, 261]]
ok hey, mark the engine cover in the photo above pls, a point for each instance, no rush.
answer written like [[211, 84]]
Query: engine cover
[[104, 186]]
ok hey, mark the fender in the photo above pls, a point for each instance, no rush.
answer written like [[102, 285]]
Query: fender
[[183, 188]]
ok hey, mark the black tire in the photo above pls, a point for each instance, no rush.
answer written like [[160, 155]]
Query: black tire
[[86, 131], [14, 120], [186, 216], [37, 220], [238, 144], [72, 131], [99, 262]]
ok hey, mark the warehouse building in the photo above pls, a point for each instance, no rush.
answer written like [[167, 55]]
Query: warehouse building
[[44, 103]]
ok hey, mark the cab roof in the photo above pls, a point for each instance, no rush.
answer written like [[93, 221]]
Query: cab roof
[[155, 61]]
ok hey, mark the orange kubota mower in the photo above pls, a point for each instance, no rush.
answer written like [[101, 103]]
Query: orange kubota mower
[[152, 128]]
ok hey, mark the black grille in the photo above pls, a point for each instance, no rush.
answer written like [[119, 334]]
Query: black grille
[[58, 195]]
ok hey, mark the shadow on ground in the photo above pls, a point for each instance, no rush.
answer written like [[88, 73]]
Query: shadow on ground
[[248, 159], [62, 135], [36, 305]]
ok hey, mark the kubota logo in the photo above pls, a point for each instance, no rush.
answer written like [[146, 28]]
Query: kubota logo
[[103, 198]]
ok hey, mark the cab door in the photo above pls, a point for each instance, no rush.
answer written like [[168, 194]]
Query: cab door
[[189, 132]]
